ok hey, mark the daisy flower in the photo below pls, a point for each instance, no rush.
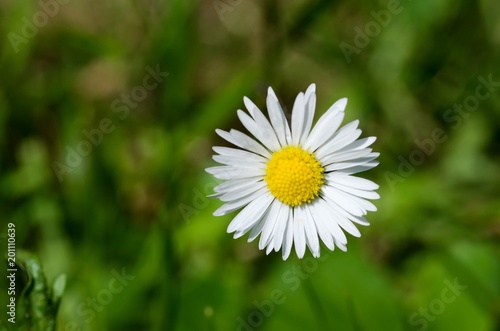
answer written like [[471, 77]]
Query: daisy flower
[[295, 184]]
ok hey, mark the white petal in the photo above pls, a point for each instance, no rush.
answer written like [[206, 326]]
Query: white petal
[[256, 230], [271, 220], [363, 203], [235, 195], [269, 249], [351, 181], [250, 224], [326, 126], [261, 120], [278, 119], [328, 218], [235, 185], [342, 200], [339, 141], [299, 236], [349, 199], [352, 163], [345, 156], [251, 214], [288, 237], [311, 89], [279, 233], [359, 193], [359, 144], [311, 234], [309, 109], [266, 136], [268, 215], [229, 172], [298, 119], [359, 168], [251, 107], [226, 136], [349, 227], [341, 246], [243, 141], [355, 219], [237, 204], [248, 143], [227, 151], [358, 220], [238, 162], [346, 135], [343, 221], [323, 231]]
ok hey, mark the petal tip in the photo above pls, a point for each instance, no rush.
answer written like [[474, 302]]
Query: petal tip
[[270, 92]]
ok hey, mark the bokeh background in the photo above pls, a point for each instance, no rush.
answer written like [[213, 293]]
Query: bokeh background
[[135, 204]]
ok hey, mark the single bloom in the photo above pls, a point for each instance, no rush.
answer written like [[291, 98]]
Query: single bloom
[[295, 183]]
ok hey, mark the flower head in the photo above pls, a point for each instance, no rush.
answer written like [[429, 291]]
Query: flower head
[[295, 183]]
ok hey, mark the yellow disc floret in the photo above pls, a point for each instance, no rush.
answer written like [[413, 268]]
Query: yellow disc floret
[[294, 176]]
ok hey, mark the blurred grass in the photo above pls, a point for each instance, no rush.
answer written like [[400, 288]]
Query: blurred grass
[[120, 207]]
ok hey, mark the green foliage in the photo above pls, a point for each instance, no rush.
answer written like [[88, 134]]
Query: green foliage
[[38, 302], [136, 202]]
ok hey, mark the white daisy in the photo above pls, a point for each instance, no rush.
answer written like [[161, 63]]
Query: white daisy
[[295, 185]]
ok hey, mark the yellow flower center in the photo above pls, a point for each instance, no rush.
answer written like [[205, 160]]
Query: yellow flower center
[[294, 176]]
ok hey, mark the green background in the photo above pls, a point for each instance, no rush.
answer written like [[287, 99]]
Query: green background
[[136, 203]]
